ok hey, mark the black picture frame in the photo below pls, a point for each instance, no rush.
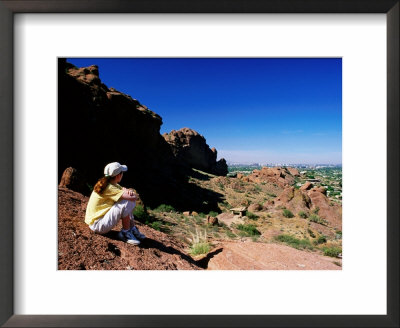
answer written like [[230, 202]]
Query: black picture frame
[[10, 7]]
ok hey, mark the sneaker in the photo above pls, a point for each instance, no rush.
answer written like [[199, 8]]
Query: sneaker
[[128, 237], [135, 231]]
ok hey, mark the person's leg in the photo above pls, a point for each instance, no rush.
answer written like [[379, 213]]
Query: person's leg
[[126, 232], [131, 221], [126, 223], [135, 230], [120, 210]]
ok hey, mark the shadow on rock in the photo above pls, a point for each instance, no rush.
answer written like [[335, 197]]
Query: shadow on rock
[[203, 263], [151, 243]]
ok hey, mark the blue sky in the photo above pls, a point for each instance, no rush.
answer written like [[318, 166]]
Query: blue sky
[[264, 110]]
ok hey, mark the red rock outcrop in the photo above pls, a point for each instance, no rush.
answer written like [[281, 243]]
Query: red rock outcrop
[[294, 200], [260, 256], [307, 186], [328, 211], [285, 197], [71, 179], [293, 171], [255, 208], [280, 176], [190, 147]]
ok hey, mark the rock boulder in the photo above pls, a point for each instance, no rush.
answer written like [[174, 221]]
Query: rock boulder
[[190, 147]]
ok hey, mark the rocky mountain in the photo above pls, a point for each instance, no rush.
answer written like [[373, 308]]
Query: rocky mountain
[[190, 147], [98, 125]]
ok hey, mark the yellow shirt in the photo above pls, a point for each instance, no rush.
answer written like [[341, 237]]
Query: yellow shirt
[[99, 205]]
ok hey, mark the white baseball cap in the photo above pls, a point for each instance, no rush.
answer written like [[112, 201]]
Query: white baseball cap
[[113, 169]]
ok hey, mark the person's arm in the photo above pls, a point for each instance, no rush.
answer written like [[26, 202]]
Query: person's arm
[[129, 195]]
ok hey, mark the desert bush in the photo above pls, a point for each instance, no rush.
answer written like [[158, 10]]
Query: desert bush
[[332, 251], [315, 218], [140, 213], [199, 243], [257, 188], [213, 213], [251, 216], [302, 214], [164, 208], [316, 210], [156, 225], [200, 248], [226, 205], [230, 234], [321, 240], [199, 219], [294, 242], [311, 233], [248, 229], [287, 214]]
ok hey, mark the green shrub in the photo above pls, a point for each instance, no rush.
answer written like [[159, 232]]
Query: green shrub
[[251, 216], [294, 242], [311, 233], [230, 234], [302, 214], [156, 225], [287, 214], [164, 208], [198, 219], [140, 213], [316, 210], [332, 251], [315, 218], [338, 234], [321, 240], [199, 242], [213, 213], [257, 188], [248, 229], [202, 215], [200, 248], [226, 205]]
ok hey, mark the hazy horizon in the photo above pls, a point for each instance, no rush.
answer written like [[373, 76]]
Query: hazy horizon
[[252, 110]]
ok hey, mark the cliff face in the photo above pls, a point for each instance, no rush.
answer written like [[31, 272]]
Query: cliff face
[[98, 125], [190, 147]]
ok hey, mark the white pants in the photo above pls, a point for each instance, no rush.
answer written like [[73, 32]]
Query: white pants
[[119, 210]]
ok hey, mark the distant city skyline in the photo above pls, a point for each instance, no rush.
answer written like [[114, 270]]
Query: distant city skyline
[[252, 110]]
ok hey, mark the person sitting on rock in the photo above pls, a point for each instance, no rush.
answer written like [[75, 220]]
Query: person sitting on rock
[[109, 202]]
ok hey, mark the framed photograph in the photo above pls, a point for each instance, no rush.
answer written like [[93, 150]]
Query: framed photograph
[[322, 52]]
